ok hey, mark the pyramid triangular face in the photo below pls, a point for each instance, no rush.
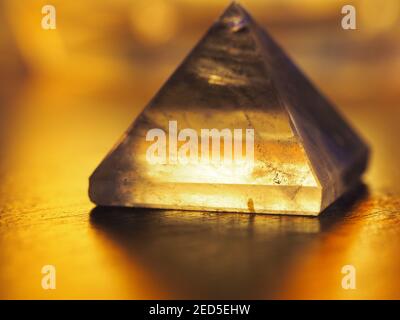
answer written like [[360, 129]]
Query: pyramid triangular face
[[279, 146]]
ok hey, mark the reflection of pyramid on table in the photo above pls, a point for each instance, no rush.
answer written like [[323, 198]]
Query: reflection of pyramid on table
[[305, 154]]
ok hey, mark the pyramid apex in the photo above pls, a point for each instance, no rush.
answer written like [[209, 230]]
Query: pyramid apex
[[235, 16], [234, 8], [234, 3]]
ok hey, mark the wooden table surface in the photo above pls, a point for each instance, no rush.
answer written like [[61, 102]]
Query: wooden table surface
[[56, 128]]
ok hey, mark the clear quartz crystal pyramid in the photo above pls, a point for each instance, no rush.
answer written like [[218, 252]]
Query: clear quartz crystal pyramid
[[237, 77]]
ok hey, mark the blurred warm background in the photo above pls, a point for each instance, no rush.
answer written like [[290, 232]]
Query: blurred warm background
[[66, 95]]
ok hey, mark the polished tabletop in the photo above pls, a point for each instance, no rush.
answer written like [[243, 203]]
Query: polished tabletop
[[67, 97]]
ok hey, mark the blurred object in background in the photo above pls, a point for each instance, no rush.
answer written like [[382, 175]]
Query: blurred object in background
[[133, 45], [12, 74], [379, 18]]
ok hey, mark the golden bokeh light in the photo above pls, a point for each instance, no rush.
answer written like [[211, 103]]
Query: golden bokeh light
[[154, 22], [379, 16]]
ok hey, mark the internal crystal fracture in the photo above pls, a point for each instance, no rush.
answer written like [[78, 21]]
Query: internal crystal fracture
[[305, 155]]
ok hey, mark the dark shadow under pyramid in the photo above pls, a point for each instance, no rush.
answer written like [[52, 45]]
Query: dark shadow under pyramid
[[237, 77]]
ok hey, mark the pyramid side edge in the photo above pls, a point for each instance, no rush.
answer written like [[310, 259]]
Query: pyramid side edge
[[331, 188]]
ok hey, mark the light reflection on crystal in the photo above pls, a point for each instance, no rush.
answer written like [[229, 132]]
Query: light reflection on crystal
[[306, 155]]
